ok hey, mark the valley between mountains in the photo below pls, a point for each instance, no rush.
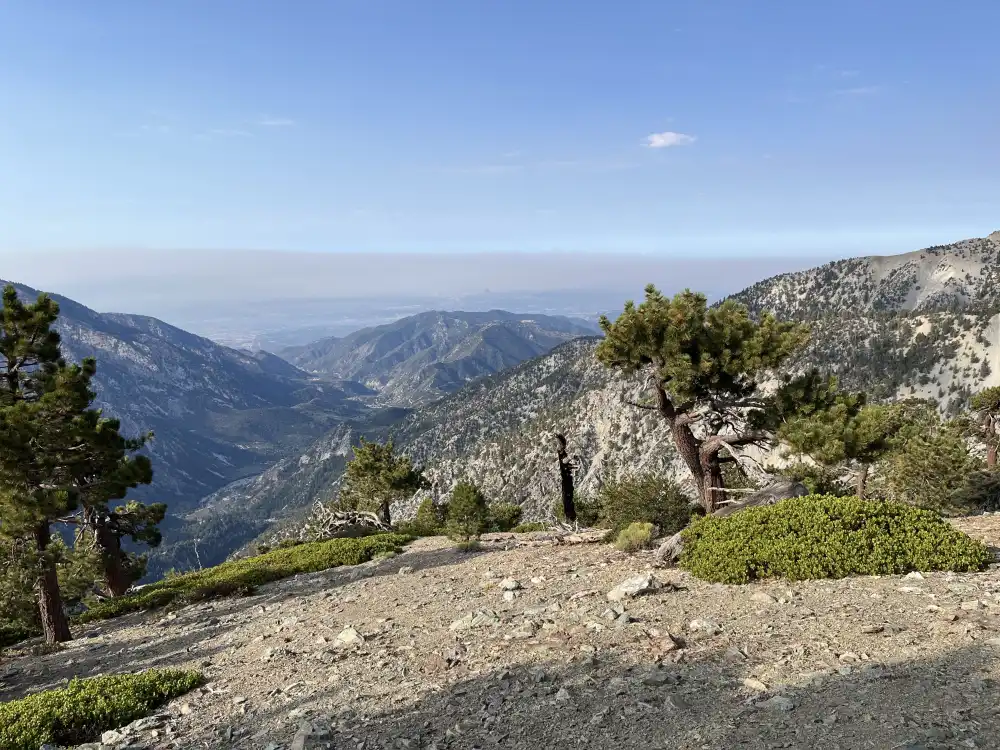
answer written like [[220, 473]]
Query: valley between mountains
[[246, 442]]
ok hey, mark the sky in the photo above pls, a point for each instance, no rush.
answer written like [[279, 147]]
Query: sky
[[717, 128]]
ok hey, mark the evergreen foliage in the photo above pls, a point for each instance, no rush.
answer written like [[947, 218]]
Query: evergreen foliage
[[60, 460], [504, 516], [643, 498], [242, 576], [468, 513], [377, 477], [707, 365], [826, 537], [928, 468], [985, 406], [634, 537], [84, 709]]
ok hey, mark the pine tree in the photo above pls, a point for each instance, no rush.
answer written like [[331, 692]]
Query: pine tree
[[468, 513], [706, 366], [38, 398], [60, 460], [106, 468], [850, 433], [376, 478]]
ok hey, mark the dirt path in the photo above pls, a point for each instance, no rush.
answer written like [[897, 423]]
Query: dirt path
[[861, 663]]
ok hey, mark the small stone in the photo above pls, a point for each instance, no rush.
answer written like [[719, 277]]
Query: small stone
[[509, 596], [643, 583], [563, 695], [779, 703], [872, 629], [753, 684], [405, 570], [914, 576], [974, 604], [706, 627], [350, 637], [762, 597], [186, 709], [510, 584], [239, 700]]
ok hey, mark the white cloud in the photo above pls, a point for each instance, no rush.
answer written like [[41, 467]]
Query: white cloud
[[275, 122], [668, 139]]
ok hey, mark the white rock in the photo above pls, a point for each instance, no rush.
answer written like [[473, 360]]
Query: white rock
[[643, 583], [779, 703], [753, 684], [510, 584], [704, 626], [350, 637]]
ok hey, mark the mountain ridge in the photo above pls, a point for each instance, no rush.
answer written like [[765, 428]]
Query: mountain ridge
[[421, 357]]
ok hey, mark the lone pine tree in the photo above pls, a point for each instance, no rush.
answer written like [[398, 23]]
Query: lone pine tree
[[377, 477], [705, 368]]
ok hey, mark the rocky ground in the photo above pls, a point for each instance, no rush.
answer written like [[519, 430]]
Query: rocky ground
[[519, 646]]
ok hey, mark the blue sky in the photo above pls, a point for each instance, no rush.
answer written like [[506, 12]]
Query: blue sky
[[729, 127]]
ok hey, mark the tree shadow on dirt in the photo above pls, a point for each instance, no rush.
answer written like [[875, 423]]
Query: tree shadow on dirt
[[946, 702]]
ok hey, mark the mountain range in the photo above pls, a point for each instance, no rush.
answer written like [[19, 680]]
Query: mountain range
[[922, 324], [247, 441], [422, 357]]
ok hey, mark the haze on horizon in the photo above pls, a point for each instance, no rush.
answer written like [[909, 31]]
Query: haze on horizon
[[441, 148]]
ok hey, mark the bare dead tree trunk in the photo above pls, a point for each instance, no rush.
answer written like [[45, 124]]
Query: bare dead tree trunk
[[54, 622], [991, 456], [566, 479]]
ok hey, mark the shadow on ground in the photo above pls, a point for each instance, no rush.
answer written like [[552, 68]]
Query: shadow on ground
[[700, 702]]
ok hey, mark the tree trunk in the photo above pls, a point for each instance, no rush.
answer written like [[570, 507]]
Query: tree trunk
[[384, 514], [862, 485], [991, 456], [115, 577], [566, 479], [689, 448], [54, 622], [712, 484]]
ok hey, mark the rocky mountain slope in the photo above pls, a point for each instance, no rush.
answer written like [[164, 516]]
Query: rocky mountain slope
[[518, 646], [218, 414], [422, 357], [498, 431]]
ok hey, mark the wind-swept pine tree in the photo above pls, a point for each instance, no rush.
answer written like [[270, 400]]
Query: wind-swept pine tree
[[705, 368]]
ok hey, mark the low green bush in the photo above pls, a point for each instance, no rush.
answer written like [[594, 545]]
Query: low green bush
[[429, 520], [84, 709], [242, 576], [823, 536], [14, 632], [636, 536], [504, 516], [527, 528], [644, 498]]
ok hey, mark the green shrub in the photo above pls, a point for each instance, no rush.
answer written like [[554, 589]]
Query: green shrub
[[84, 709], [819, 479], [289, 543], [635, 537], [979, 492], [527, 528], [588, 510], [504, 516], [468, 513], [12, 632], [822, 536], [429, 521], [243, 576], [646, 498]]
